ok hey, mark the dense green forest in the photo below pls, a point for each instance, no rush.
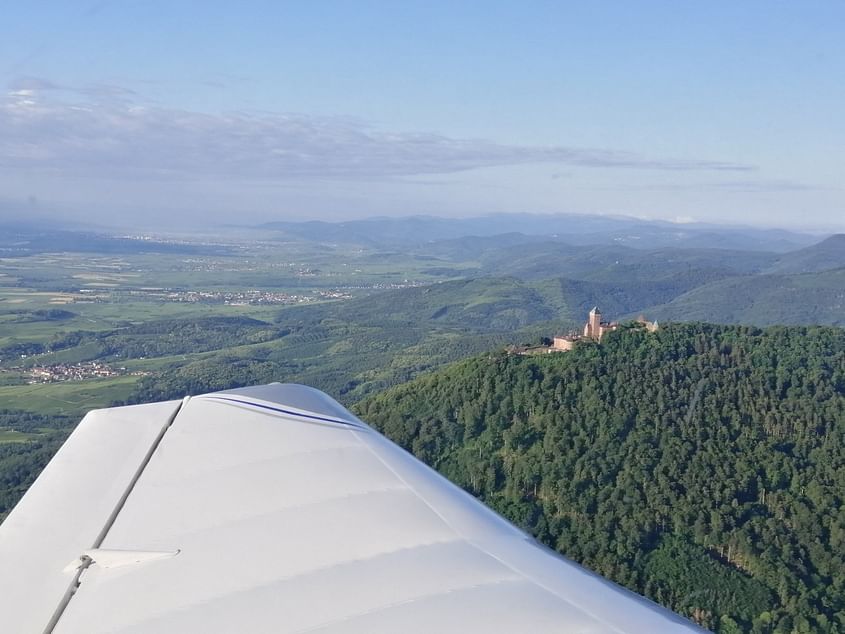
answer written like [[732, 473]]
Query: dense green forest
[[803, 298], [702, 465], [21, 462], [154, 338]]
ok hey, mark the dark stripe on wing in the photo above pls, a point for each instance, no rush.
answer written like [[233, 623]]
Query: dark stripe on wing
[[306, 417]]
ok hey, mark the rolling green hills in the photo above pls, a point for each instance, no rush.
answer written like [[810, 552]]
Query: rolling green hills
[[702, 465], [618, 263], [807, 298], [409, 306], [825, 255], [353, 348]]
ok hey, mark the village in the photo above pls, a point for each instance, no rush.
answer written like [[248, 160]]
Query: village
[[251, 297], [74, 372]]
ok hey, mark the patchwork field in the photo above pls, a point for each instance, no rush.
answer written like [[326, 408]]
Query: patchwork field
[[65, 308]]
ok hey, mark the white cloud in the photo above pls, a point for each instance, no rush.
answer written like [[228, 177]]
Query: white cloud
[[106, 131]]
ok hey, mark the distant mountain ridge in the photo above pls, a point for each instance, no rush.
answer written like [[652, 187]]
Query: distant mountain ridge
[[762, 300], [579, 229], [618, 263], [822, 256]]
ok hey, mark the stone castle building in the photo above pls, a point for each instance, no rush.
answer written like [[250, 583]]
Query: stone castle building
[[564, 342], [594, 329]]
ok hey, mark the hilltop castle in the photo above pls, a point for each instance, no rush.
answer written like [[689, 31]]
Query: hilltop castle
[[594, 329]]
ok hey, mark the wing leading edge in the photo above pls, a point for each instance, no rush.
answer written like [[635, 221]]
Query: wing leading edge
[[273, 509]]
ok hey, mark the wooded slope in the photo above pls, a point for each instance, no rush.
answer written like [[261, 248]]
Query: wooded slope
[[702, 465]]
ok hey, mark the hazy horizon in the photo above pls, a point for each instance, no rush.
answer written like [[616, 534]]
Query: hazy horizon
[[121, 224], [156, 114]]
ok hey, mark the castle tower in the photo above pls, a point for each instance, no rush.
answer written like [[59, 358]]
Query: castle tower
[[593, 326]]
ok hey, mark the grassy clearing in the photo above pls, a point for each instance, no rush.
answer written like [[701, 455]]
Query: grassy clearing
[[99, 316], [12, 436], [70, 397]]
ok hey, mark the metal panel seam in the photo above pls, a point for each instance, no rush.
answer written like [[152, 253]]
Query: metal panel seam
[[86, 561]]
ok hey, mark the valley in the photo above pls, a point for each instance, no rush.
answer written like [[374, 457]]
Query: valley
[[412, 333]]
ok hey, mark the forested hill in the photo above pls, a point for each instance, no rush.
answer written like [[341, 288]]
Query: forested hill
[[702, 465]]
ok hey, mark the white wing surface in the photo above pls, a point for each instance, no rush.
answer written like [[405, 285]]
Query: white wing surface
[[273, 509]]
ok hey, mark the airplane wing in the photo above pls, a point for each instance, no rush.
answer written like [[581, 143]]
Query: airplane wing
[[273, 509]]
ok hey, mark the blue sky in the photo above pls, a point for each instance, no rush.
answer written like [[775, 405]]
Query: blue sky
[[718, 111]]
